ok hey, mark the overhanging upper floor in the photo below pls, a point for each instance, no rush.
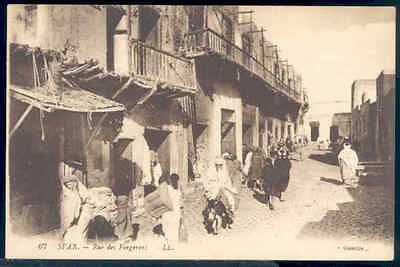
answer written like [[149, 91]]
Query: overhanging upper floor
[[208, 42]]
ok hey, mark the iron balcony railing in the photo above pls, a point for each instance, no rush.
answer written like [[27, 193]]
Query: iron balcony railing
[[197, 42], [155, 64]]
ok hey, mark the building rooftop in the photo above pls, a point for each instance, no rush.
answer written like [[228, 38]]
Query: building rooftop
[[387, 72]]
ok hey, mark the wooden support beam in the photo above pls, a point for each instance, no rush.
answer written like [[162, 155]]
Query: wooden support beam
[[84, 151], [61, 153], [123, 88], [147, 97], [21, 120], [104, 116]]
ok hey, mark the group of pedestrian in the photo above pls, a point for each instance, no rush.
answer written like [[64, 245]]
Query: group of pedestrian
[[227, 175], [270, 174], [275, 175]]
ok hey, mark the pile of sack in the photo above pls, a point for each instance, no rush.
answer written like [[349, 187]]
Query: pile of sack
[[104, 202]]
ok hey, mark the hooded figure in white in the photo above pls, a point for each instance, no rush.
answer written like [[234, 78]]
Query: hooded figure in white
[[348, 161], [218, 181], [74, 195]]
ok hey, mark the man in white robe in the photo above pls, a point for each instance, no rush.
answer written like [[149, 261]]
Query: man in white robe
[[348, 161]]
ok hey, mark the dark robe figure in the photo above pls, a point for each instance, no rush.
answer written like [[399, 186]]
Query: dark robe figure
[[282, 171], [269, 182], [100, 230]]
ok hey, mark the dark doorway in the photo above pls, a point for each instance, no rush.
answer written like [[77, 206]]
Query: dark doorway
[[196, 18], [149, 26], [334, 133], [314, 133], [228, 132], [227, 31]]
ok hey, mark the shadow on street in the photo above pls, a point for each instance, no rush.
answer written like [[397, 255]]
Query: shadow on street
[[369, 217], [327, 158], [330, 180]]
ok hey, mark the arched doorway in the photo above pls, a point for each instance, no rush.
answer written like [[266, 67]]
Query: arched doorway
[[314, 130]]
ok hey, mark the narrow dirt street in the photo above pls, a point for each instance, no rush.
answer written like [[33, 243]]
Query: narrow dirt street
[[316, 208]]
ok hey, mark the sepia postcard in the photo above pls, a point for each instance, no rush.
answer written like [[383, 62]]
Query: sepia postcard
[[200, 132]]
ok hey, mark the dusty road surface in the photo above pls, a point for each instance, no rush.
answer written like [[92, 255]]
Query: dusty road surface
[[319, 219], [317, 211]]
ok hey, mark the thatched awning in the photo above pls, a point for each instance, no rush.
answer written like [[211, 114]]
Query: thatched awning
[[70, 100], [91, 76]]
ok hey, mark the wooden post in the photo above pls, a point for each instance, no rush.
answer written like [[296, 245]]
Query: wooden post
[[263, 52], [21, 120], [104, 116], [61, 153], [129, 39], [84, 150], [205, 17]]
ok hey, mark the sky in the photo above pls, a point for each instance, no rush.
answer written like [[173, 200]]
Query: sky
[[331, 46]]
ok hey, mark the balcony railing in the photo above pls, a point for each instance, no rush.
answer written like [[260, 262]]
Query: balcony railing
[[155, 64], [197, 42]]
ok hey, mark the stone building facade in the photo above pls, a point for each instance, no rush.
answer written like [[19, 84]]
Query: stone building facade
[[341, 124], [130, 54], [135, 40], [194, 83], [247, 96], [363, 95], [385, 115]]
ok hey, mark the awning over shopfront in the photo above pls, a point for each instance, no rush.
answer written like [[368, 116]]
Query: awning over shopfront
[[36, 79], [91, 76], [76, 100]]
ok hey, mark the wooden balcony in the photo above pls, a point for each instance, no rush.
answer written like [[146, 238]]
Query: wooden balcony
[[153, 64], [208, 41]]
